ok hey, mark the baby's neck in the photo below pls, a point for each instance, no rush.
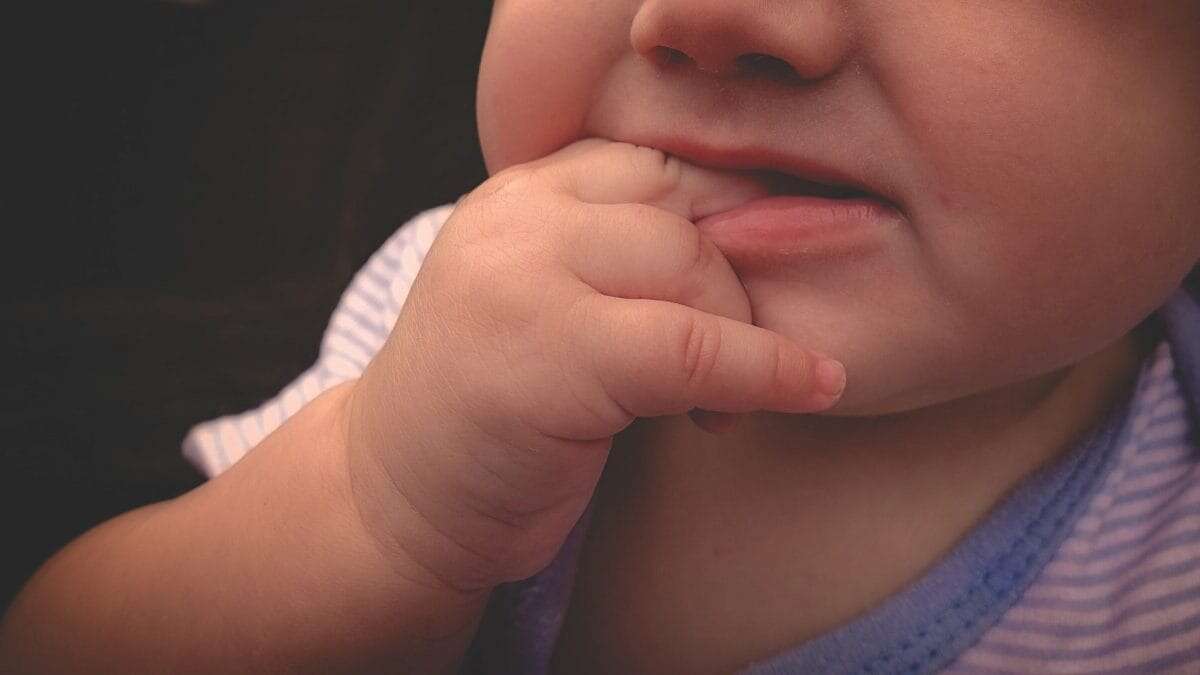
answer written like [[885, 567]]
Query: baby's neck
[[965, 452], [710, 544]]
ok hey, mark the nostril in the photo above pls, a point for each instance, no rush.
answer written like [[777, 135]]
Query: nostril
[[667, 56], [766, 64]]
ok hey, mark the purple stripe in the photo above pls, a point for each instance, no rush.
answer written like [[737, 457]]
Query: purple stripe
[[1160, 465], [1124, 588], [380, 279], [1171, 391], [1160, 438], [1138, 537], [381, 258], [1164, 544], [1142, 493], [357, 291], [1179, 658], [1174, 443], [393, 260], [1166, 388], [1142, 518], [237, 427], [1157, 415], [352, 338], [1064, 653], [1113, 623], [1149, 446], [957, 669], [369, 324], [215, 428]]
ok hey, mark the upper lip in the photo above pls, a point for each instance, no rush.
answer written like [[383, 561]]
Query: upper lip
[[798, 173]]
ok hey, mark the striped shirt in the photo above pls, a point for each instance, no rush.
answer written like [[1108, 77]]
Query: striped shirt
[[1092, 565]]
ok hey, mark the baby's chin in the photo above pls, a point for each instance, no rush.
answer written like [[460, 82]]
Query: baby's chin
[[852, 405], [862, 400]]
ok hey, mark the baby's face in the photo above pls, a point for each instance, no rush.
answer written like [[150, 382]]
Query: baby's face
[[1045, 155]]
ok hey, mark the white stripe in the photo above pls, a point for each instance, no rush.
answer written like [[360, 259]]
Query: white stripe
[[1165, 430], [1105, 587], [1129, 657], [370, 288], [399, 292], [358, 303], [343, 346], [340, 365], [1167, 408], [1172, 450], [344, 322], [233, 445], [1160, 464], [396, 243], [1164, 360], [1161, 476], [391, 317], [292, 401], [1091, 523], [209, 455], [310, 386], [250, 429], [390, 254], [1160, 391], [1067, 616], [272, 416], [409, 264], [329, 380], [1137, 539], [380, 265], [425, 234]]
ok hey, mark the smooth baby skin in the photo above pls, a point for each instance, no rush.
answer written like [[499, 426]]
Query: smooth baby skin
[[561, 300], [1045, 156]]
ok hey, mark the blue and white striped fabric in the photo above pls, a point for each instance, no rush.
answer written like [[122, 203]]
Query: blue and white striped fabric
[[360, 324], [1122, 593], [1110, 584]]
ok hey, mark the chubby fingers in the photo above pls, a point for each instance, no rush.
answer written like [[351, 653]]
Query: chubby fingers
[[600, 171], [631, 236], [660, 358]]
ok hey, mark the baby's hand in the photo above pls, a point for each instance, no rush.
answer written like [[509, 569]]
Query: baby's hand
[[562, 299]]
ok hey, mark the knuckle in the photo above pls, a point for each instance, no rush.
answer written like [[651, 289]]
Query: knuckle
[[779, 371], [793, 370], [663, 169], [700, 342], [697, 262], [605, 414], [510, 182]]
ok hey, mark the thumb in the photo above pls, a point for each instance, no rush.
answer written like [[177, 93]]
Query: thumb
[[602, 171]]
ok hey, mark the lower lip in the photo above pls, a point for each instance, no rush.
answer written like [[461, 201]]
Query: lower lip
[[776, 230]]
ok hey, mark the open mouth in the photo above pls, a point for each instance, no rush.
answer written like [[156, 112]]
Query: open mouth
[[783, 184]]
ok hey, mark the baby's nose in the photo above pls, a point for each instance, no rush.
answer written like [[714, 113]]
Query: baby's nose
[[778, 39]]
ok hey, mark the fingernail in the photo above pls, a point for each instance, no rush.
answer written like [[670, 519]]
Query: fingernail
[[831, 378]]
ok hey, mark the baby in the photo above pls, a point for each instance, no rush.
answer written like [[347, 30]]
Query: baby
[[813, 337]]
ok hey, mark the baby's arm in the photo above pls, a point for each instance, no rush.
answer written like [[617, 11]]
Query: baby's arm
[[264, 569], [562, 299]]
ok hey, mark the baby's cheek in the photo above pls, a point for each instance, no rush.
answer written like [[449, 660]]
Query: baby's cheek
[[1066, 288]]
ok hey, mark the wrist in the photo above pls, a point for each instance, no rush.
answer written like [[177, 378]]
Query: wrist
[[436, 613], [411, 543]]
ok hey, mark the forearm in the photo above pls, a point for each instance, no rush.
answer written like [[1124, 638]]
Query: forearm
[[266, 568]]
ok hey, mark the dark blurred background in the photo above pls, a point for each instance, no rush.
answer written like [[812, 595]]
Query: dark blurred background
[[199, 183]]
